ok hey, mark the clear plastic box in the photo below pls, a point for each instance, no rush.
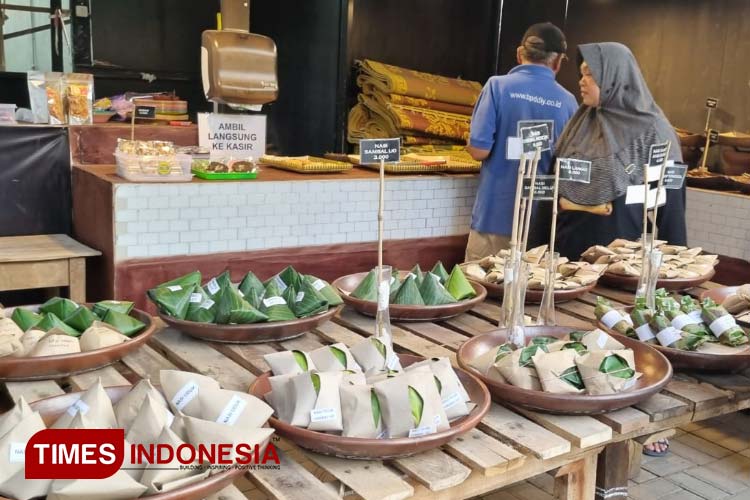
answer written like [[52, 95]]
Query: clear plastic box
[[145, 168]]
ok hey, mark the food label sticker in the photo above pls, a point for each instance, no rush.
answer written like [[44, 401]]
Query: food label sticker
[[393, 280], [319, 285], [195, 298], [78, 406], [213, 286], [174, 288], [170, 417], [644, 333], [451, 401], [611, 318], [422, 431], [384, 290], [207, 304], [323, 414], [436, 419], [629, 384], [280, 283], [232, 411], [300, 297], [683, 320], [274, 301], [696, 315], [602, 339], [722, 324], [17, 453], [185, 395], [668, 336]]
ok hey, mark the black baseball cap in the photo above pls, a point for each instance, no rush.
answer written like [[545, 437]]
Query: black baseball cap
[[549, 38]]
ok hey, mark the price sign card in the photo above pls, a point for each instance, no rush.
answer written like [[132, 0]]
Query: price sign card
[[674, 176], [545, 140], [575, 170], [535, 136], [377, 150], [544, 187], [657, 154], [239, 136], [635, 195], [145, 112], [713, 136], [712, 102]]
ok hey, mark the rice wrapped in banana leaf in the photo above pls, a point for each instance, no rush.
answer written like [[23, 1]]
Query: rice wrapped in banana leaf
[[612, 318], [367, 288], [672, 310], [325, 288], [641, 316], [249, 284], [25, 318], [307, 300], [439, 270], [458, 286], [274, 305], [669, 336], [433, 292], [202, 309], [722, 324], [408, 294]]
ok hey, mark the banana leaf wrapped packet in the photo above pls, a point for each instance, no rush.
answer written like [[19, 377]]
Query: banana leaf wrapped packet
[[485, 363], [307, 300], [608, 372], [518, 367], [274, 305], [439, 270], [612, 318], [25, 318], [325, 288], [173, 300], [558, 372], [408, 293], [433, 292], [123, 306], [458, 286], [672, 310], [641, 316], [367, 288], [669, 336], [60, 307], [201, 308], [722, 324]]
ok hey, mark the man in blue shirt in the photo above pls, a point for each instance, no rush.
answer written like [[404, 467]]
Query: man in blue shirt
[[527, 95]]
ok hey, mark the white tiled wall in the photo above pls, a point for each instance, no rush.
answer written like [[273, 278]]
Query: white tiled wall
[[719, 222], [202, 218]]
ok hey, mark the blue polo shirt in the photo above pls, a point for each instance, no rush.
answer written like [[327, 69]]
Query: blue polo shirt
[[527, 93]]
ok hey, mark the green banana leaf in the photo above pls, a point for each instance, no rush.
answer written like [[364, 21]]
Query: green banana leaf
[[543, 340], [315, 382], [127, 325], [25, 318], [418, 274], [367, 288], [577, 335], [186, 280], [688, 305], [60, 307], [309, 301], [379, 345], [578, 346], [248, 314], [573, 377], [290, 296], [417, 405], [274, 306], [123, 306], [375, 402], [301, 360], [458, 286], [439, 270], [339, 355], [733, 335], [80, 319], [202, 309], [228, 300], [217, 284], [433, 292], [249, 284], [641, 314], [502, 351], [603, 306], [50, 321], [395, 286], [325, 288], [687, 342], [291, 277], [528, 352], [408, 294], [173, 300], [616, 366]]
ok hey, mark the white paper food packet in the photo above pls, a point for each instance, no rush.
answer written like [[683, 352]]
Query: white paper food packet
[[13, 445], [182, 388], [361, 415], [234, 408], [598, 340], [100, 335], [373, 355], [203, 432], [118, 487], [55, 343], [485, 364], [455, 399], [598, 382], [289, 362], [280, 397], [95, 405], [29, 340], [127, 408], [329, 358], [158, 478], [317, 405], [151, 420], [12, 417], [8, 327]]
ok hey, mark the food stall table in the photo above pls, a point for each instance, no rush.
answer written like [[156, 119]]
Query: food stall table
[[509, 446]]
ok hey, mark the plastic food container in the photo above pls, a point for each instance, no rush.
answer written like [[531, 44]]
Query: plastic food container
[[147, 168]]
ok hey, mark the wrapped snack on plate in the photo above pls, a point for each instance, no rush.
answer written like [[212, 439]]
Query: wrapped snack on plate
[[669, 336], [316, 400], [360, 410], [558, 372], [55, 343], [55, 88], [289, 362], [233, 408], [13, 484], [641, 316], [692, 308], [25, 318], [100, 335], [181, 390], [612, 318], [127, 408], [486, 362], [722, 324], [333, 358], [280, 397], [152, 417], [95, 405], [672, 310], [374, 356], [79, 92], [608, 372], [166, 477], [598, 340], [456, 401], [518, 368]]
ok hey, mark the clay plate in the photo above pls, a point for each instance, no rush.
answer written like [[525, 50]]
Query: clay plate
[[656, 370], [49, 367], [535, 296], [630, 283], [687, 360], [381, 449], [714, 181], [253, 333], [347, 284], [51, 408]]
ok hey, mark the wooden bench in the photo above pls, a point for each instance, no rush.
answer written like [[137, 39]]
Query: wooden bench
[[44, 261]]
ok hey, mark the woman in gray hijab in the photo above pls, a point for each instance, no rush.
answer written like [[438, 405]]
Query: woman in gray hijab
[[614, 128]]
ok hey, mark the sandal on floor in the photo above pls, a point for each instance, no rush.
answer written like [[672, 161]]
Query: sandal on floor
[[653, 453]]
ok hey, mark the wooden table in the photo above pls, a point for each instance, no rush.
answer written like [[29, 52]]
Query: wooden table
[[44, 261], [509, 446]]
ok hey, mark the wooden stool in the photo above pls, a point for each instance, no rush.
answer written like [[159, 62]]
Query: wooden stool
[[44, 261]]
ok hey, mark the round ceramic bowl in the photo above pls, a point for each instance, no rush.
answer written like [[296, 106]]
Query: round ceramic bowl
[[630, 283]]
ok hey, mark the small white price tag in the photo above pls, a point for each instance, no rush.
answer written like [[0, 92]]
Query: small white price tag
[[196, 298], [232, 411], [174, 288], [213, 286], [323, 414], [393, 362], [300, 297], [611, 318], [17, 453], [451, 401], [319, 285], [668, 336], [207, 304], [722, 324], [185, 395], [425, 430], [274, 301], [644, 333], [170, 417], [78, 406], [602, 339], [696, 315], [280, 283]]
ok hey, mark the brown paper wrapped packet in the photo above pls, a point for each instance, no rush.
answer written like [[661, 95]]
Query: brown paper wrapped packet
[[182, 388], [203, 432], [179, 426], [159, 478], [317, 405], [13, 446], [29, 340], [554, 369], [485, 363], [374, 355], [234, 408], [356, 378], [10, 346], [375, 377], [400, 400], [453, 395], [359, 417], [8, 327], [127, 408], [55, 343], [20, 488], [289, 362], [100, 335], [280, 397], [151, 420], [598, 382], [12, 417], [598, 340], [524, 377], [118, 487], [95, 405], [328, 358]]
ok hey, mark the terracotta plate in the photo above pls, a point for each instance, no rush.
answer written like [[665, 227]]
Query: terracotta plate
[[47, 367], [687, 360], [630, 283], [656, 370], [253, 333], [51, 408], [714, 181], [347, 284], [381, 449], [535, 296]]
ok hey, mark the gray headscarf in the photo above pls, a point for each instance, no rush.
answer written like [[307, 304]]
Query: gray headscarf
[[615, 136]]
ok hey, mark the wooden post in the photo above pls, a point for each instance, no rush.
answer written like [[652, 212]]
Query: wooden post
[[577, 480], [77, 279], [612, 472], [645, 208]]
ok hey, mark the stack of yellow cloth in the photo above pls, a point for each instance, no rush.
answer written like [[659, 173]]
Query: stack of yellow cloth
[[427, 111]]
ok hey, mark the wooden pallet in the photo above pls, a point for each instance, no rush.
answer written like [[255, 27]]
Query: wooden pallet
[[509, 446]]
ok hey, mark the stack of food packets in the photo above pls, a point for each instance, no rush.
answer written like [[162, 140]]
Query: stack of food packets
[[364, 392], [591, 363], [189, 409]]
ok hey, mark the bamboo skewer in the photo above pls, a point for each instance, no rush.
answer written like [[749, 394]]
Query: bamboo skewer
[[659, 188], [517, 203], [380, 218], [645, 206], [553, 229], [530, 202]]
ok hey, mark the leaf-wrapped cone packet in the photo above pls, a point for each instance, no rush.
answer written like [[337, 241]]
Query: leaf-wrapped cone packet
[[598, 340], [458, 286], [331, 296], [95, 405], [612, 318], [417, 274], [360, 411], [680, 320], [308, 301], [127, 408], [55, 343], [206, 433], [608, 372], [433, 292], [408, 294], [669, 336], [12, 417], [317, 404], [251, 283], [215, 285], [163, 477], [173, 300], [334, 357], [372, 355], [485, 363], [25, 318], [722, 324], [279, 397], [201, 308], [410, 404], [181, 390], [80, 319], [119, 486], [60, 307], [455, 399], [9, 328], [227, 300], [274, 305], [367, 288], [100, 335], [439, 270], [289, 362], [148, 424], [234, 408], [12, 457], [121, 306], [50, 321], [518, 368], [558, 372], [188, 280]]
